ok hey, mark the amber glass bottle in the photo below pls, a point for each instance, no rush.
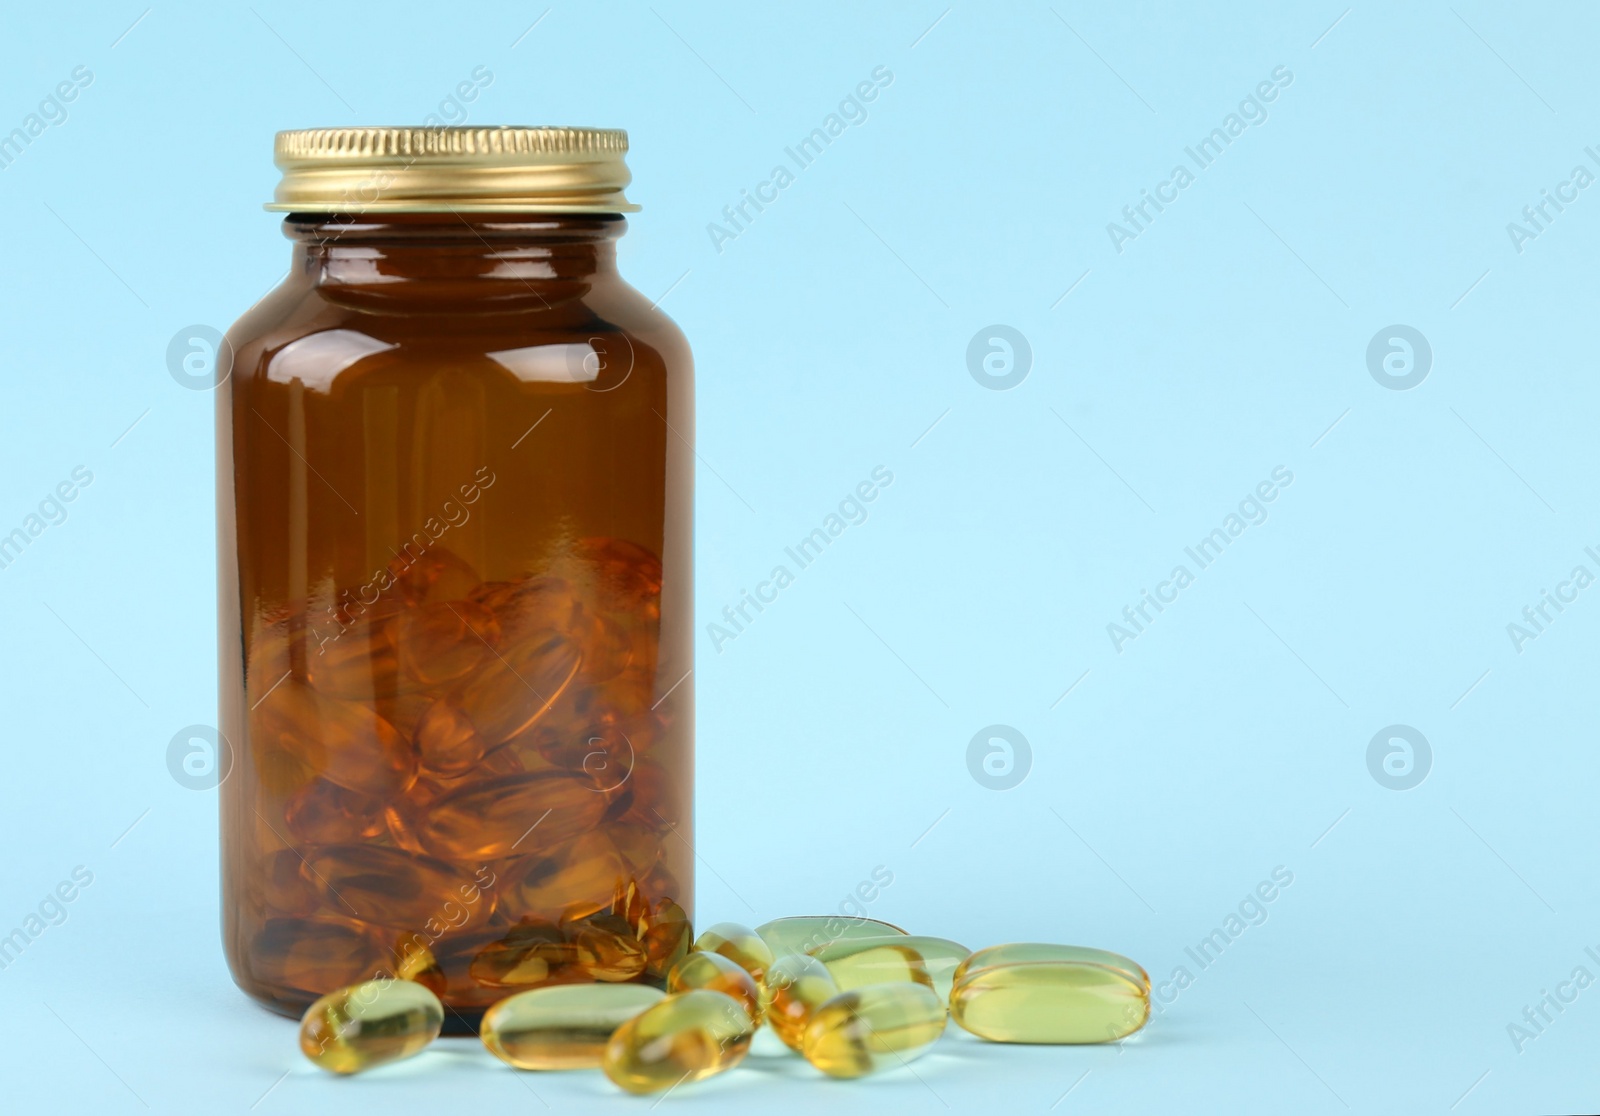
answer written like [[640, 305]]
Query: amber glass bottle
[[454, 504]]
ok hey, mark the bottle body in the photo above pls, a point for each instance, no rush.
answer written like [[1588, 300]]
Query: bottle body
[[455, 546]]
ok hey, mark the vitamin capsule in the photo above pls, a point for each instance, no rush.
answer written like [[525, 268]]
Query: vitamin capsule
[[739, 944], [447, 743], [280, 886], [684, 1038], [570, 880], [488, 819], [434, 575], [566, 1027], [795, 987], [1050, 1001], [627, 575], [718, 974], [518, 685], [874, 1028], [531, 953], [392, 887], [414, 961], [804, 933], [343, 741], [366, 1025], [665, 933], [1022, 953], [606, 949], [316, 954], [858, 962], [439, 643], [357, 662], [531, 605], [324, 813]]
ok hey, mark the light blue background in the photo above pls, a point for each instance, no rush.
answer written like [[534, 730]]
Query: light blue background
[[1228, 739]]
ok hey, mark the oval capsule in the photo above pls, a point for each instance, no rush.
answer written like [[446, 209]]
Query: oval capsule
[[718, 974], [874, 1028], [794, 988], [565, 1027], [1025, 953], [1050, 1002], [684, 1038], [858, 962], [739, 944], [803, 933], [368, 1024]]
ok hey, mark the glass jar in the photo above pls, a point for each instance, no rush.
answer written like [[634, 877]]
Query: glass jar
[[454, 506]]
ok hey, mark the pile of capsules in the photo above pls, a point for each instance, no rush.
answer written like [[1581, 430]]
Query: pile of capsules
[[853, 996]]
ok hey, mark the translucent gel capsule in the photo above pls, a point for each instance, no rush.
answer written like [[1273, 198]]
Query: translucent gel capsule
[[439, 643], [739, 944], [1050, 1001], [368, 1024], [627, 575], [323, 813], [447, 743], [795, 987], [316, 954], [493, 818], [392, 887], [1022, 953], [531, 605], [804, 933], [717, 973], [281, 887], [517, 686], [606, 949], [686, 1037], [874, 1028], [343, 741], [666, 934], [857, 962], [415, 961], [432, 576], [573, 879], [566, 1027], [357, 661], [532, 953]]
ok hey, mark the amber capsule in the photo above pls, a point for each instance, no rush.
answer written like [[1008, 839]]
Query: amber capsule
[[627, 575], [803, 933], [316, 954], [392, 887], [531, 953], [858, 962], [518, 685], [439, 643], [447, 743], [739, 944], [874, 1028], [368, 1024], [434, 575], [281, 886], [1050, 1002], [719, 974], [343, 741], [606, 948], [565, 1027], [531, 605], [570, 880], [795, 987], [686, 1037], [358, 661], [665, 932], [324, 813], [1023, 953], [487, 819]]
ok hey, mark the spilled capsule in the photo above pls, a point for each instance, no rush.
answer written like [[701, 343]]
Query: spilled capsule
[[739, 944], [858, 962], [794, 988], [874, 1028], [563, 1027], [715, 972], [365, 1025], [686, 1037], [803, 933], [1050, 1002], [1022, 953]]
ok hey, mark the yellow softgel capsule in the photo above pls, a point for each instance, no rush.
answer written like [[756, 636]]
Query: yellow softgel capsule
[[1050, 1002], [795, 987], [803, 933], [858, 962], [874, 1028], [563, 1027], [739, 944], [368, 1024], [684, 1038], [718, 974], [1024, 953]]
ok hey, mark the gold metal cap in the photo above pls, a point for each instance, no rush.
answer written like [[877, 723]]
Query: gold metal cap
[[434, 169]]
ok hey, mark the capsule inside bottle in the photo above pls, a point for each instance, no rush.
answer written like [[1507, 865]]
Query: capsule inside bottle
[[564, 1027], [874, 1028], [686, 1037], [365, 1025]]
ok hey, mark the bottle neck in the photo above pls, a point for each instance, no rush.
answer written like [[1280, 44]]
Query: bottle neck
[[454, 261]]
